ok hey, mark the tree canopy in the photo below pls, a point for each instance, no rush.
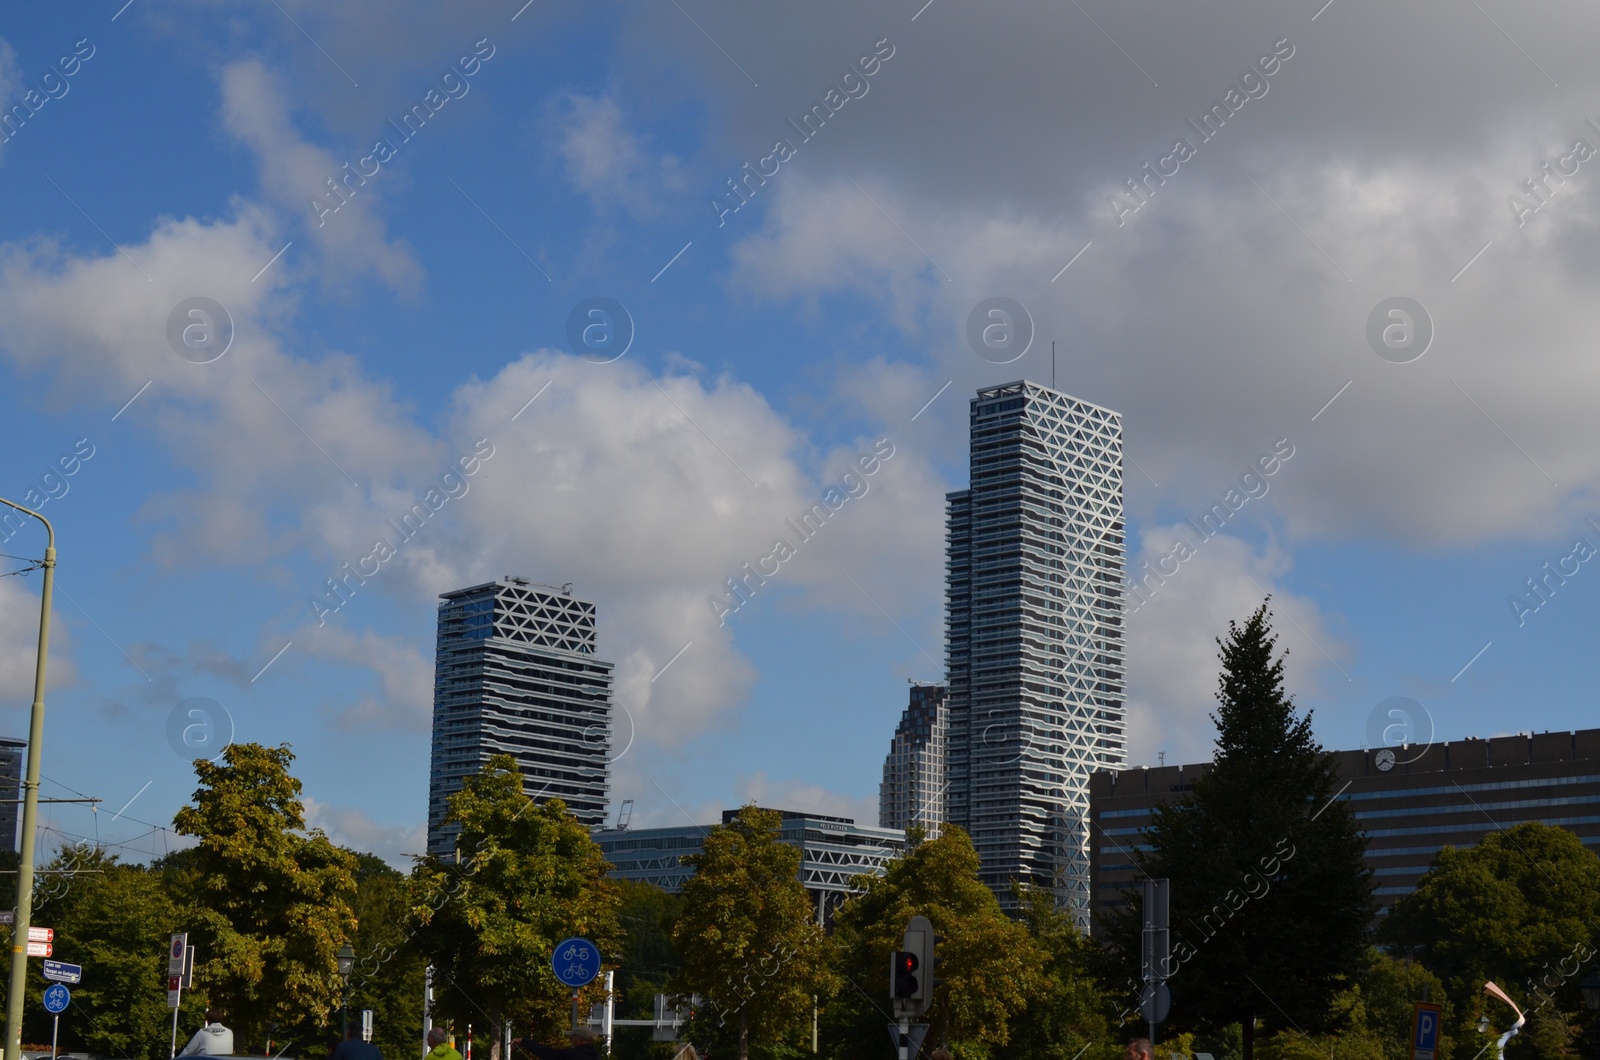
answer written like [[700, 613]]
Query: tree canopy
[[528, 877], [267, 903], [1521, 908], [1261, 840], [990, 964], [747, 937]]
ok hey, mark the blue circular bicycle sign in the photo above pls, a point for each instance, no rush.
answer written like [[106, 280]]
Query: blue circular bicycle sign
[[56, 998], [576, 962]]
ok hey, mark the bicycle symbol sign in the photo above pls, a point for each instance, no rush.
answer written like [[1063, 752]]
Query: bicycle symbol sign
[[576, 962]]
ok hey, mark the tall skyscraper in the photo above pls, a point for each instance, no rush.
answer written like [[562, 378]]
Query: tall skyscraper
[[1034, 596], [515, 673], [913, 788]]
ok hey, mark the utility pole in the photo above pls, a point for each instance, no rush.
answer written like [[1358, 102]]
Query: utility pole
[[30, 802]]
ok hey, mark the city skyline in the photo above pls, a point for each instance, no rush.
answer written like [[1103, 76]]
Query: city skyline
[[311, 314]]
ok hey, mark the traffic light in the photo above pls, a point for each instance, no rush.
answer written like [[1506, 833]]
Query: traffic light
[[904, 982], [911, 978]]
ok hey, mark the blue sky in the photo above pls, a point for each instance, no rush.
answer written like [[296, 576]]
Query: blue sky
[[571, 153]]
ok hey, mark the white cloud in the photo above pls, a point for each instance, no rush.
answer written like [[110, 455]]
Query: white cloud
[[646, 492], [609, 162], [19, 640], [405, 678], [801, 797], [10, 76], [350, 827], [1172, 660], [350, 234]]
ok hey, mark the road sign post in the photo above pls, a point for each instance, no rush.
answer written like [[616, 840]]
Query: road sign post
[[576, 962], [1155, 954], [177, 956], [56, 1000]]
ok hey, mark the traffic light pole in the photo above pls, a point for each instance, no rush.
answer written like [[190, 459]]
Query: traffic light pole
[[30, 803]]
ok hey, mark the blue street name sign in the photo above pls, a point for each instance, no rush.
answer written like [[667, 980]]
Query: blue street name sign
[[62, 972], [576, 962], [57, 998]]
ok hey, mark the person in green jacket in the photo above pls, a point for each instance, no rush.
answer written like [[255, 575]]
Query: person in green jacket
[[441, 1047]]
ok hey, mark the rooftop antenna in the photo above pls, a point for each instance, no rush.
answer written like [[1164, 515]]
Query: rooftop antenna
[[1052, 364], [624, 815], [1162, 757]]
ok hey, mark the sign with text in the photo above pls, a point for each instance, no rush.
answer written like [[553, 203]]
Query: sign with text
[[62, 972], [40, 949]]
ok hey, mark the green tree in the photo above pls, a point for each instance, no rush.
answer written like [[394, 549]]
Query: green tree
[[1068, 1015], [389, 974], [1521, 908], [990, 965], [528, 877], [646, 963], [113, 919], [1261, 840], [1370, 1019], [267, 903], [748, 939]]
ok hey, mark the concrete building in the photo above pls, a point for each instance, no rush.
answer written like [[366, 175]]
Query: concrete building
[[12, 753], [515, 673], [1410, 802], [1034, 590], [833, 851], [913, 789]]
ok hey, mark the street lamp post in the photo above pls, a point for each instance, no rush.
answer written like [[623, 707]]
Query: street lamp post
[[30, 802], [347, 964], [1590, 988]]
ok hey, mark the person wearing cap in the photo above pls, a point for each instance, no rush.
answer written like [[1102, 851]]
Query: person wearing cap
[[583, 1047]]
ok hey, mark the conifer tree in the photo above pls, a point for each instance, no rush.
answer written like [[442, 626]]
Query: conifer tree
[[1270, 902]]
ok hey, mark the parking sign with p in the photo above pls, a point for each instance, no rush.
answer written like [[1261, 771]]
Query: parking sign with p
[[1425, 1032]]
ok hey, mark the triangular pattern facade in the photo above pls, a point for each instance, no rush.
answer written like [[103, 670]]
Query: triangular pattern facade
[[1034, 577]]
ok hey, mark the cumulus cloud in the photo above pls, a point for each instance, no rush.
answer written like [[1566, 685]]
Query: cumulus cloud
[[1171, 638], [647, 492], [349, 231], [609, 162], [19, 641], [405, 678], [785, 794], [350, 827]]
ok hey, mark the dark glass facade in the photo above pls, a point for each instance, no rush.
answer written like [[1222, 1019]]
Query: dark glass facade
[[515, 673]]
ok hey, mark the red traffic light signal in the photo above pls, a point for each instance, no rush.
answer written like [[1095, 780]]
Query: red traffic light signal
[[903, 971]]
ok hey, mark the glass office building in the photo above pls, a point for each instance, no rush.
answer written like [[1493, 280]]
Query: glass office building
[[913, 789], [1411, 802], [833, 852], [1034, 590], [515, 673]]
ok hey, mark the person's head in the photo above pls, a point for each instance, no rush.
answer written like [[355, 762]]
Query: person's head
[[940, 1053], [436, 1036], [1139, 1049], [213, 1015], [582, 1035], [686, 1053], [353, 1029]]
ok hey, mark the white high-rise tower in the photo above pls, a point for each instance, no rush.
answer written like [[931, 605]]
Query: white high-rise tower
[[1034, 642]]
